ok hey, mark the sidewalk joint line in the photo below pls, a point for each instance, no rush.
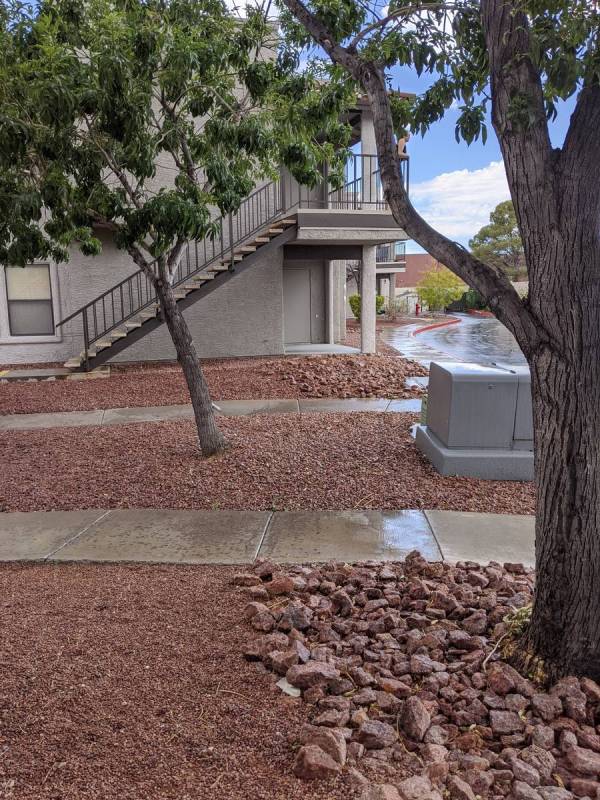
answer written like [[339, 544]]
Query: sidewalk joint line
[[77, 535], [430, 526], [264, 533]]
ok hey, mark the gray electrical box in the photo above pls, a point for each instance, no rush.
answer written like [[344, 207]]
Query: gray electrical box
[[479, 421]]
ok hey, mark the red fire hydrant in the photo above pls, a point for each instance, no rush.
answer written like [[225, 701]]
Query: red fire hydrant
[[417, 309]]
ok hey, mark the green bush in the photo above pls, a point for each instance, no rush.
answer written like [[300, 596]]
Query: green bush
[[438, 288], [354, 301], [473, 300]]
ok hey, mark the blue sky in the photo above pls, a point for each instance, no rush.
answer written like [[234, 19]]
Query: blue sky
[[455, 186]]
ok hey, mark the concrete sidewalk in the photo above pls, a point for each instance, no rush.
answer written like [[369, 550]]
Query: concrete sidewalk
[[124, 416], [238, 537]]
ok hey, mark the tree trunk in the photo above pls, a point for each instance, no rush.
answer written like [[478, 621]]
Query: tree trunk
[[565, 382], [210, 438]]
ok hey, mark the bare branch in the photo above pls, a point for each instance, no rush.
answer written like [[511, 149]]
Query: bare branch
[[396, 15], [116, 170]]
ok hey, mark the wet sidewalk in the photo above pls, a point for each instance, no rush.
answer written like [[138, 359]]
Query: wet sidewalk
[[125, 416], [239, 537]]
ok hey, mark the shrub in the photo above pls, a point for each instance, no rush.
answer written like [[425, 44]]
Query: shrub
[[473, 300], [438, 288], [354, 301]]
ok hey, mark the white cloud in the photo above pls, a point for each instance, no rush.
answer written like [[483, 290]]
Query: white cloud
[[458, 203]]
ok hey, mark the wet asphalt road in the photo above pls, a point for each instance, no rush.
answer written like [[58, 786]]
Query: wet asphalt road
[[479, 340]]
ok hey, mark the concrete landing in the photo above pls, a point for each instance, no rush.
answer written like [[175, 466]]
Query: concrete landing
[[51, 374], [320, 350], [126, 416], [238, 537]]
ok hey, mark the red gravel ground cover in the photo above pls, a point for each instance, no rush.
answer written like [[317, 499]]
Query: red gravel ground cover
[[284, 461], [128, 683], [402, 665], [157, 385]]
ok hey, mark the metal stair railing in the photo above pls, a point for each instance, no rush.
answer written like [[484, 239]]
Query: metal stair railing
[[131, 296], [125, 300]]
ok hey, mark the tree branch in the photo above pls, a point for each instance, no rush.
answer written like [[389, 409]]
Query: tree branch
[[490, 281], [174, 256], [395, 15], [519, 115], [581, 150]]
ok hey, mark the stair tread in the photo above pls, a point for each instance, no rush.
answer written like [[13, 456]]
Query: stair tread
[[181, 291]]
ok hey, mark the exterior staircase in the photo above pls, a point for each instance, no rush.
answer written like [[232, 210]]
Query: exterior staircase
[[130, 309]]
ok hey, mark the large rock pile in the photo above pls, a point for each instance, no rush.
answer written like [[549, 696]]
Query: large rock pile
[[409, 700], [350, 376]]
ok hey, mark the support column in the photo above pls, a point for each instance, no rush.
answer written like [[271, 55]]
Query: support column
[[368, 317], [369, 167], [342, 283], [330, 321], [392, 295]]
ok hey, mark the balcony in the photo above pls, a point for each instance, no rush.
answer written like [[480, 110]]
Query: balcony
[[354, 213]]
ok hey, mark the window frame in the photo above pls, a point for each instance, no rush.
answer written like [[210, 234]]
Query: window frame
[[5, 335]]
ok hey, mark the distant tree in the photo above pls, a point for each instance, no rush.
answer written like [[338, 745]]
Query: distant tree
[[95, 94], [500, 242], [438, 288]]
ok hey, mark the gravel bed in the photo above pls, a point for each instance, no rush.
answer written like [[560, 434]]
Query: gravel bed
[[284, 461], [235, 379], [401, 666], [122, 683]]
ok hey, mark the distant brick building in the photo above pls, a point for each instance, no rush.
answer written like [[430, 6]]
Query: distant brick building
[[416, 267]]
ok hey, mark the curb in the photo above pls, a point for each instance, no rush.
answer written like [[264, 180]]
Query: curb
[[446, 322]]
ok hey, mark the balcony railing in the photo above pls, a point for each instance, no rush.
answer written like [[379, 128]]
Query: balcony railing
[[391, 253], [362, 188]]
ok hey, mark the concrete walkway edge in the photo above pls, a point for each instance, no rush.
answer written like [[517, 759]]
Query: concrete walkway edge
[[239, 537], [125, 416]]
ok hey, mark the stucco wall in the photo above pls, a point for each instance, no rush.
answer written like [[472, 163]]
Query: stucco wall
[[243, 317]]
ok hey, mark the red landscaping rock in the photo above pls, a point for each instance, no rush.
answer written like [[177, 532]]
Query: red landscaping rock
[[418, 787], [415, 719], [398, 672], [459, 789], [330, 740], [584, 761], [313, 763], [314, 673], [281, 584], [375, 735], [506, 722], [246, 580], [263, 621]]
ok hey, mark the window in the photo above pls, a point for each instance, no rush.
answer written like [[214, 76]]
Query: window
[[29, 299]]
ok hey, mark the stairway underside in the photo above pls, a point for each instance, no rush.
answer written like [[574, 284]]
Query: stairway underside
[[196, 286]]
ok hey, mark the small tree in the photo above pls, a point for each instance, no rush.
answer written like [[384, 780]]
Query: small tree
[[94, 96], [438, 288], [521, 57], [500, 242]]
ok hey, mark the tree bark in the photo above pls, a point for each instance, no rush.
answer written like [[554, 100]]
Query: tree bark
[[210, 438], [565, 627]]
